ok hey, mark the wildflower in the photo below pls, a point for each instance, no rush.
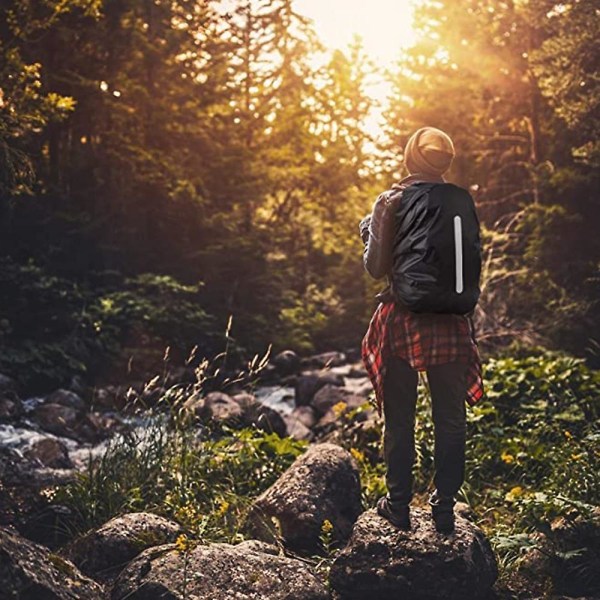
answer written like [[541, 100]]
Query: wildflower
[[339, 408], [327, 526], [576, 456], [223, 508], [514, 493], [358, 455], [182, 543], [568, 434], [507, 457]]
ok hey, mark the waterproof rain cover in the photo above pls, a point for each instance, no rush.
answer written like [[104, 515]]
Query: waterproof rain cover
[[436, 249]]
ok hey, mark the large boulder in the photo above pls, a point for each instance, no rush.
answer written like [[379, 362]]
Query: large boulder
[[215, 572], [29, 571], [322, 484], [381, 561], [104, 552]]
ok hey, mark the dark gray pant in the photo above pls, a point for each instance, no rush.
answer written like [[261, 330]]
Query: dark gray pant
[[447, 384]]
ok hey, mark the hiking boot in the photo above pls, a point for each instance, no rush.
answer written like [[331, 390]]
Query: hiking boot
[[442, 510], [399, 516]]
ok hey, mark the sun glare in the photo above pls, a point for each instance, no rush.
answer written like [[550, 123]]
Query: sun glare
[[385, 26]]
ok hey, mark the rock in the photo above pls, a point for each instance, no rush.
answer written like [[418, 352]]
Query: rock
[[104, 552], [214, 405], [324, 360], [269, 373], [65, 421], [357, 371], [67, 398], [11, 407], [308, 384], [29, 571], [271, 421], [57, 419], [23, 487], [289, 380], [95, 427], [306, 415], [246, 401], [532, 568], [105, 425], [109, 398], [361, 386], [330, 395], [383, 562], [254, 413], [353, 353], [50, 452], [322, 484], [51, 526], [296, 429], [576, 573], [287, 362], [258, 546], [216, 572], [365, 435]]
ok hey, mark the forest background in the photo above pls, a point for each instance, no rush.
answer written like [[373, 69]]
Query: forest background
[[167, 168]]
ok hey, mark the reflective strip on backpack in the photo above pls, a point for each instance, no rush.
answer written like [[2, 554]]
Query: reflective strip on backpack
[[458, 254]]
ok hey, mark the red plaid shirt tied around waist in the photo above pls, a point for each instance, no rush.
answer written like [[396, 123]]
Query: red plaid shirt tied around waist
[[423, 340]]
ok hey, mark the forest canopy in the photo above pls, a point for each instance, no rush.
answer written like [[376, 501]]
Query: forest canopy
[[168, 165]]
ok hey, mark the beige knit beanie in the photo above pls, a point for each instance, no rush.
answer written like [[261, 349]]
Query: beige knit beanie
[[429, 150]]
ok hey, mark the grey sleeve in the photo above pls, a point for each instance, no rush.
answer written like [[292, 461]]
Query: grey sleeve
[[377, 255], [363, 227]]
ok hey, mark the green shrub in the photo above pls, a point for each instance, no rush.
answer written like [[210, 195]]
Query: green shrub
[[52, 328]]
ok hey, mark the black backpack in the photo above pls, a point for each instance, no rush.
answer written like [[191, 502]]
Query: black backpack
[[436, 249]]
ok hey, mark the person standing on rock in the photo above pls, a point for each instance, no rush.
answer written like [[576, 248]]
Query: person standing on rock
[[400, 343]]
